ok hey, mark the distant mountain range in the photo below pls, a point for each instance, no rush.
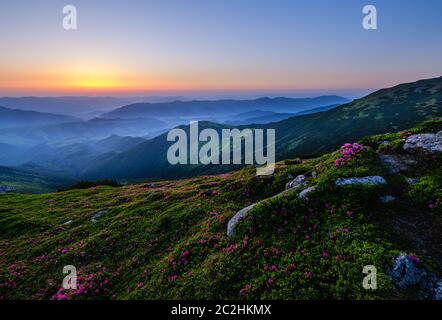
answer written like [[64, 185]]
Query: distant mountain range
[[387, 110], [69, 149], [19, 127], [218, 108], [10, 118], [257, 117], [263, 117], [80, 131], [85, 107]]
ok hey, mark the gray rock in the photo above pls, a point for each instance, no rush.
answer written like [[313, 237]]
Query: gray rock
[[314, 174], [67, 223], [243, 212], [405, 273], [374, 180], [304, 193], [236, 218], [298, 181], [424, 143], [387, 199], [97, 215], [438, 290], [396, 163], [412, 181]]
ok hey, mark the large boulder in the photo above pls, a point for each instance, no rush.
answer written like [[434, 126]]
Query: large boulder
[[412, 181], [98, 214], [406, 273], [296, 182], [424, 143], [304, 193], [67, 223], [396, 163], [372, 180], [387, 199], [236, 218], [243, 212]]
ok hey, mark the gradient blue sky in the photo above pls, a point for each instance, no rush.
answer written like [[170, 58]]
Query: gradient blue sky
[[222, 47]]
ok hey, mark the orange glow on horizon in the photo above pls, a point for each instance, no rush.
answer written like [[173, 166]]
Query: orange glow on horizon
[[85, 78], [123, 83]]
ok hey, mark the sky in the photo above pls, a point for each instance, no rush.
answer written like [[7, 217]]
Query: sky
[[216, 47]]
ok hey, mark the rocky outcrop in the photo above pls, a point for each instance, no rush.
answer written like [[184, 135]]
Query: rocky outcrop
[[238, 216], [97, 215], [243, 212], [296, 182], [424, 143], [372, 180], [387, 199], [396, 163], [412, 181], [304, 193], [405, 273], [67, 223]]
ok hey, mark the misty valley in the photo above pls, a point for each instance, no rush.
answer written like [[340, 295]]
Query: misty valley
[[66, 144]]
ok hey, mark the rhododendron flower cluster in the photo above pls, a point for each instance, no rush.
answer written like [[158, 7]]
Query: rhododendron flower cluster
[[231, 248], [173, 278], [39, 259], [435, 204], [17, 269], [92, 284], [415, 259], [185, 257], [66, 250], [348, 153], [244, 291]]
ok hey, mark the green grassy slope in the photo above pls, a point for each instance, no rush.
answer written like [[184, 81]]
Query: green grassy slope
[[386, 110], [30, 182], [168, 239]]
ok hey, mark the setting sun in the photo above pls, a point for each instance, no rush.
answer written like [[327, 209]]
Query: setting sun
[[96, 83]]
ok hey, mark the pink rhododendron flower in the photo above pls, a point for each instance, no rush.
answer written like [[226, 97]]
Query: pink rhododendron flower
[[348, 152], [245, 290], [415, 259]]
